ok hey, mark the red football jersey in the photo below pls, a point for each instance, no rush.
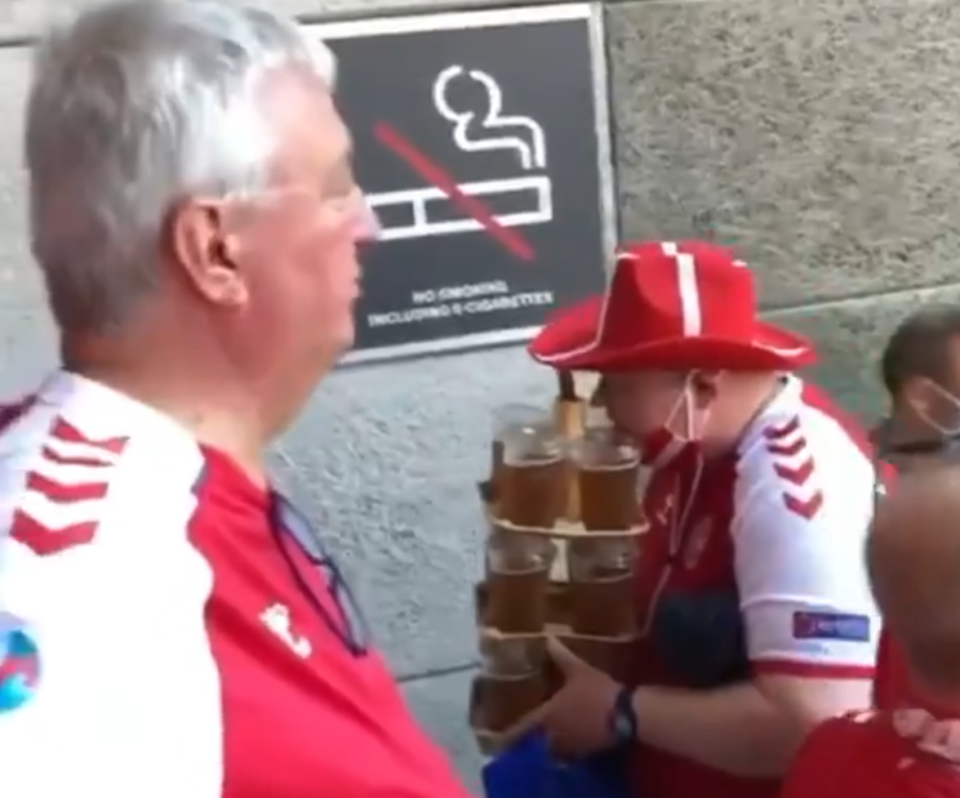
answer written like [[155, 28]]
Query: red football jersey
[[783, 518], [902, 754], [190, 640]]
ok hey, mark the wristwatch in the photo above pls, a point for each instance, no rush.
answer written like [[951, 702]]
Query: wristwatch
[[623, 718]]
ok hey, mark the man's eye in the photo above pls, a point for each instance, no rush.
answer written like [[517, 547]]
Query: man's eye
[[342, 181], [342, 186], [344, 199]]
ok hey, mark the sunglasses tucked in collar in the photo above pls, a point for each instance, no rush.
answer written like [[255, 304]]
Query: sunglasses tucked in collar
[[296, 540]]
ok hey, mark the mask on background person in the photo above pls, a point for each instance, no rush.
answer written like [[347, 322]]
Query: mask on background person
[[911, 454], [951, 430], [663, 444]]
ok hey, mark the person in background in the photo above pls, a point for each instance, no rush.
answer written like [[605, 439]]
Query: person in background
[[756, 616], [180, 631], [913, 555], [920, 369]]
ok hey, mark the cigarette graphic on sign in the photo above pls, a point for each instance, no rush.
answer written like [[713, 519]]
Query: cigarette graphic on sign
[[510, 201]]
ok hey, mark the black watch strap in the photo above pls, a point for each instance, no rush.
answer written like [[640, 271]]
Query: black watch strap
[[623, 718]]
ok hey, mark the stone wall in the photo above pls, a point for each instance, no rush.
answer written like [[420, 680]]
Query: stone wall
[[819, 136]]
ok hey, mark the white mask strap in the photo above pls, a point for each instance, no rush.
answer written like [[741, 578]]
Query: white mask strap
[[950, 431]]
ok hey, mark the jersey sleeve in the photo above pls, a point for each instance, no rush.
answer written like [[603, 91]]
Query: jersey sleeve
[[124, 698], [804, 500]]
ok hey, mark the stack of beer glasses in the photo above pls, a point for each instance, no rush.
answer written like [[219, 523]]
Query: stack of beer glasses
[[529, 489], [601, 561], [547, 573]]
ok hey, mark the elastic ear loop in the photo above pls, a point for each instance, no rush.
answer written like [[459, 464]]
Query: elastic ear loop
[[19, 663]]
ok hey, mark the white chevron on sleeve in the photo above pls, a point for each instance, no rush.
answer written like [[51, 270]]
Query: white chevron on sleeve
[[78, 449], [71, 474]]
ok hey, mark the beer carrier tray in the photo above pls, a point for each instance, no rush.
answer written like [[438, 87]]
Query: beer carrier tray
[[613, 655], [556, 627], [489, 741], [562, 529]]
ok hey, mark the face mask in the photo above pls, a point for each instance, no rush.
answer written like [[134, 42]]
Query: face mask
[[948, 431], [663, 445]]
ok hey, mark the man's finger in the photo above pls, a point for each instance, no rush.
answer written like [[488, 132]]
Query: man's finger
[[568, 662]]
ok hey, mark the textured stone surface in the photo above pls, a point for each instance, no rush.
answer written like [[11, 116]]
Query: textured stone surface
[[26, 349], [440, 705], [28, 18], [850, 337], [818, 135], [18, 281]]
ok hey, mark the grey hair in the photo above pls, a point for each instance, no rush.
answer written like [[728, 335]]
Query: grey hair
[[133, 106]]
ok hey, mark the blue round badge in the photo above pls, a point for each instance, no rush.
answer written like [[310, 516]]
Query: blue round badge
[[19, 663]]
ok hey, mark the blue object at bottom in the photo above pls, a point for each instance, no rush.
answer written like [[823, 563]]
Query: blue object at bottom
[[526, 770]]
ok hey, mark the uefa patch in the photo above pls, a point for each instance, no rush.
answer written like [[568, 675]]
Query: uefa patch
[[831, 626], [19, 663]]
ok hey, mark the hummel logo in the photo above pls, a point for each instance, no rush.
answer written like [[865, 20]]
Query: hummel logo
[[276, 618]]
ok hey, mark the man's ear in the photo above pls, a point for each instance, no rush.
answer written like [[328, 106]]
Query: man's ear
[[199, 245]]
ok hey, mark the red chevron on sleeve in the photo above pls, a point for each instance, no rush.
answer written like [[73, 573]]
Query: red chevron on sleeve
[[805, 508], [65, 432], [45, 540], [776, 433], [64, 494], [795, 467], [796, 475], [788, 449]]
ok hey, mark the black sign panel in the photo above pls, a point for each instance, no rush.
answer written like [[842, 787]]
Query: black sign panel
[[479, 142]]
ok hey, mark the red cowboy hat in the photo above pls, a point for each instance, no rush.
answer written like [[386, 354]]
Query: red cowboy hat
[[676, 306]]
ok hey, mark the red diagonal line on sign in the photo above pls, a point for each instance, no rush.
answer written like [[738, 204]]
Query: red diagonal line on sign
[[437, 176]]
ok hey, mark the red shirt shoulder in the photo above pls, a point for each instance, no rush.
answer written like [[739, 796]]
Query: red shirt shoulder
[[305, 701], [222, 666], [870, 755]]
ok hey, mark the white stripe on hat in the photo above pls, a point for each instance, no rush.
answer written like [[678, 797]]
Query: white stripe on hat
[[687, 287], [689, 295]]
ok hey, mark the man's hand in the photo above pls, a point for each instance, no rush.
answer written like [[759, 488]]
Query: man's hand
[[577, 719]]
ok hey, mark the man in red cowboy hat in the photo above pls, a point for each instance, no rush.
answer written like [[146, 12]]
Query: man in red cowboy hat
[[759, 501]]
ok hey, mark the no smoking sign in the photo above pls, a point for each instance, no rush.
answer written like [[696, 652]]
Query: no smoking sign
[[481, 143]]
